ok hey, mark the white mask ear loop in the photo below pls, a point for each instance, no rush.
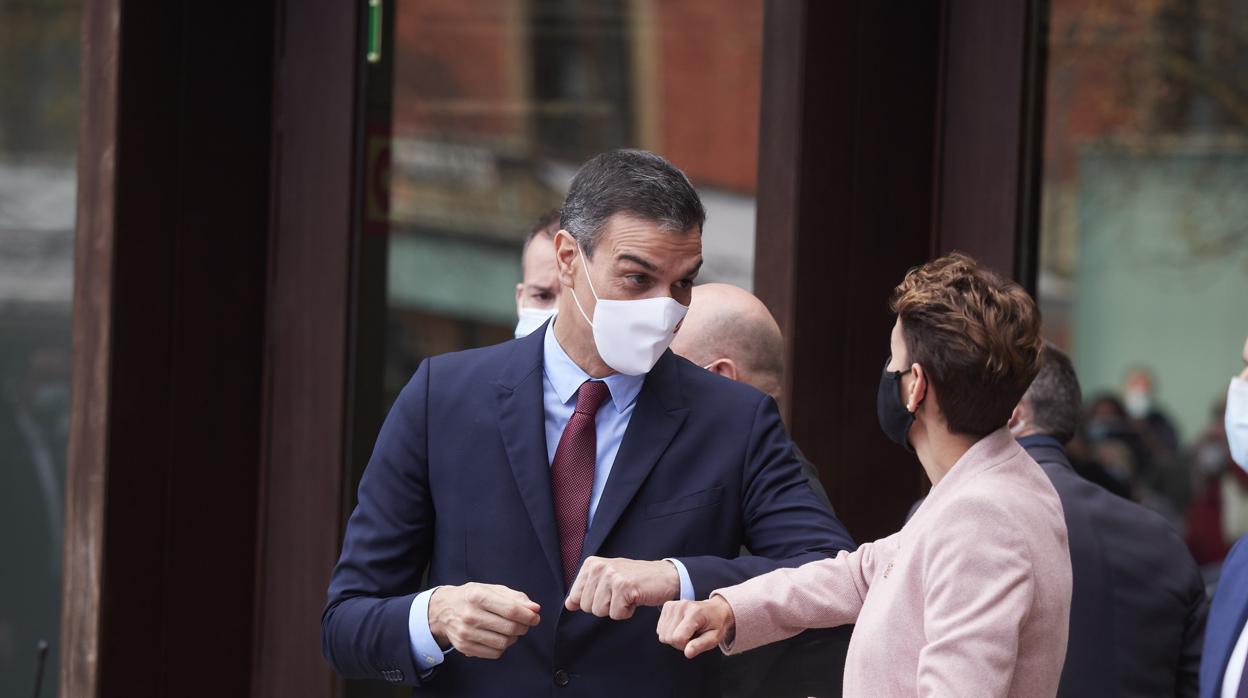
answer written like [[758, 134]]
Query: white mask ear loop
[[580, 252]]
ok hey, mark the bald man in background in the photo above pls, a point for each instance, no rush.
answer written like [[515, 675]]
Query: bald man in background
[[729, 332]]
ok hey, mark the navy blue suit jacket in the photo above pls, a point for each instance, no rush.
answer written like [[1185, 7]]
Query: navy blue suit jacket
[[459, 482], [1138, 606], [1226, 619]]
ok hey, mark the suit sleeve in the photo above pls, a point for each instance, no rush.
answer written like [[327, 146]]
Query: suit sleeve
[[780, 604], [364, 629], [785, 525], [811, 473], [979, 586]]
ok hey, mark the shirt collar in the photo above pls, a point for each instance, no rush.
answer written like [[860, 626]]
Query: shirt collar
[[566, 377], [1035, 440]]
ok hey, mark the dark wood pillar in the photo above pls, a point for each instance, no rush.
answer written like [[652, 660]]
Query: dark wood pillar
[[307, 340], [169, 278], [990, 132], [876, 155], [845, 207]]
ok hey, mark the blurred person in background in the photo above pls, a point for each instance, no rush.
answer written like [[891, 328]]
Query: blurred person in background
[[1139, 398], [1084, 462], [1222, 668], [1107, 423], [1137, 612], [972, 596], [537, 294], [1218, 513], [729, 332], [1115, 442]]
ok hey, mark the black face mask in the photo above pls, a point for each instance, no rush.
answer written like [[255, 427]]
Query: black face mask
[[895, 419]]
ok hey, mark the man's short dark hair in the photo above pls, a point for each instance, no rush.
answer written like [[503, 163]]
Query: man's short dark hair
[[1054, 395], [633, 182], [547, 224]]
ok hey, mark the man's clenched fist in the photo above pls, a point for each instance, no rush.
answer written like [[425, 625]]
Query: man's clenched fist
[[480, 620], [616, 587]]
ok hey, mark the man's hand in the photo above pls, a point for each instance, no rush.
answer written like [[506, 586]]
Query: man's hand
[[480, 620], [694, 627], [616, 587]]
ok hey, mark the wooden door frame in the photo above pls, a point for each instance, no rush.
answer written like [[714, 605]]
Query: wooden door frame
[[308, 340], [165, 422]]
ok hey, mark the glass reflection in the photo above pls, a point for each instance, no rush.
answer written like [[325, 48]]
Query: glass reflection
[[38, 139], [1143, 249], [495, 105]]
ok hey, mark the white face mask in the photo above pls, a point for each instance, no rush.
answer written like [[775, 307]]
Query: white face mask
[[531, 319], [1138, 403], [1237, 421], [631, 335]]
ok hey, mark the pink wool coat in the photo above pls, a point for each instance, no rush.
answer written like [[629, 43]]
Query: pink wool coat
[[970, 598]]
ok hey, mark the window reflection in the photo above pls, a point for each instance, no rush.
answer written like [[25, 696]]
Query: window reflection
[[38, 139], [1144, 250], [495, 105]]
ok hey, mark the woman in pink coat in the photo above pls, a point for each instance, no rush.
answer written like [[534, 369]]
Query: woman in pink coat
[[972, 596]]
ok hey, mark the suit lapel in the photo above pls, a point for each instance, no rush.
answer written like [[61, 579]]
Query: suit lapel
[[657, 417], [521, 420]]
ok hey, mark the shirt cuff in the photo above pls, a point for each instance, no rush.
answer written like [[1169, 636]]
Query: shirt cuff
[[686, 586], [425, 649]]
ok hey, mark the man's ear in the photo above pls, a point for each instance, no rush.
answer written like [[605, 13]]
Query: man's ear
[[724, 367], [519, 295], [918, 388], [1018, 416], [566, 258]]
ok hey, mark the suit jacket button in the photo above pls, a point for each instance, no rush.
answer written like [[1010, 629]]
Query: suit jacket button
[[561, 678]]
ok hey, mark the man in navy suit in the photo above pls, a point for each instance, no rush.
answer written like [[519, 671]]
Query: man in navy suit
[[1138, 605], [1224, 667], [561, 487]]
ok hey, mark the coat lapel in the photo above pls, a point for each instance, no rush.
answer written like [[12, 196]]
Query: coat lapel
[[655, 421], [1228, 612], [521, 419]]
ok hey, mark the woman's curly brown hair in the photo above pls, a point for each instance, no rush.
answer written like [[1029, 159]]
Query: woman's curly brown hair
[[976, 335]]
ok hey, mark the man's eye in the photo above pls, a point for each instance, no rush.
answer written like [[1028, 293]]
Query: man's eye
[[638, 279], [544, 296], [684, 284]]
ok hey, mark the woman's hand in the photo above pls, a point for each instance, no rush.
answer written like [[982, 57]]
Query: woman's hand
[[694, 627]]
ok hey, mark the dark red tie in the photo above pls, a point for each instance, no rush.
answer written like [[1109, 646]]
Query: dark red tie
[[572, 474]]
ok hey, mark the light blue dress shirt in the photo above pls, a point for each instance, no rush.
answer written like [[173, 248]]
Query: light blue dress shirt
[[562, 379]]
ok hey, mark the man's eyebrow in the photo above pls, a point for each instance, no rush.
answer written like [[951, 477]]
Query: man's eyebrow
[[539, 287], [693, 271], [648, 266]]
